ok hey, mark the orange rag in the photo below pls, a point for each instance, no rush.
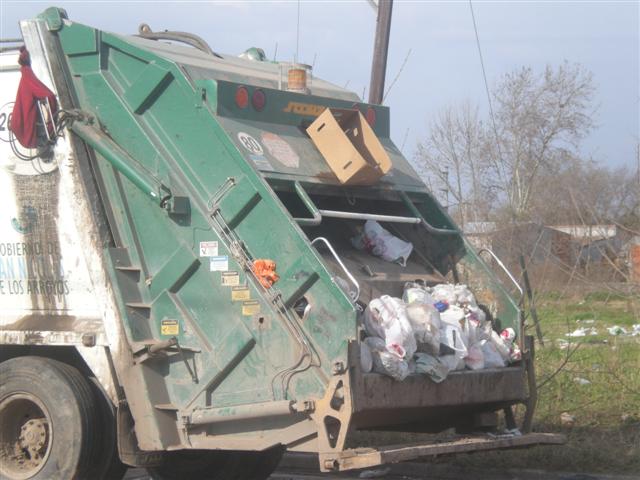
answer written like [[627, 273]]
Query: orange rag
[[265, 270]]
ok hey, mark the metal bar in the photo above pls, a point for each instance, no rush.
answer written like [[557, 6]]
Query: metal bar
[[121, 161], [369, 216], [532, 305], [529, 355], [430, 228], [192, 39], [361, 458], [304, 197], [502, 265], [11, 40], [164, 345], [346, 271], [46, 115], [251, 411]]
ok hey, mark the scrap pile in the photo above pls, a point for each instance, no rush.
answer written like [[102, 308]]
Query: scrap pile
[[432, 331]]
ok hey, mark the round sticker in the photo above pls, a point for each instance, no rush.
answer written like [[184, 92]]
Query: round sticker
[[250, 143], [280, 150]]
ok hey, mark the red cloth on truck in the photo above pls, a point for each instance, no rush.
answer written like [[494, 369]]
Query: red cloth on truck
[[25, 110]]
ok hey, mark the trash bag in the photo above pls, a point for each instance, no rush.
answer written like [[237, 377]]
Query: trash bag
[[453, 315], [452, 337], [475, 357], [386, 362], [386, 318], [414, 292], [425, 322], [431, 366], [444, 292], [492, 358], [379, 242], [464, 296], [366, 358], [502, 348]]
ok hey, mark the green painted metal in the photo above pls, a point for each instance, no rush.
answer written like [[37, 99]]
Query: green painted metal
[[165, 129], [126, 165]]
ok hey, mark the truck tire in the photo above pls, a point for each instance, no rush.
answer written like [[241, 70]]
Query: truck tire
[[47, 410], [218, 465]]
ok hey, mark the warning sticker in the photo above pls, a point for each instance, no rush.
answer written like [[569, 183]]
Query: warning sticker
[[250, 143], [208, 249], [280, 150], [169, 327], [219, 263], [250, 307], [230, 279], [240, 293]]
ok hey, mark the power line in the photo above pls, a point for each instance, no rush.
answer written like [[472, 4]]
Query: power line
[[486, 84]]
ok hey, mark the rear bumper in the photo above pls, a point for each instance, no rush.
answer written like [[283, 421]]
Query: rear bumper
[[368, 457]]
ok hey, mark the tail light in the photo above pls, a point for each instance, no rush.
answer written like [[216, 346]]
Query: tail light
[[242, 97], [258, 100]]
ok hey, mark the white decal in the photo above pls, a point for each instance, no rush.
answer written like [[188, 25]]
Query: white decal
[[219, 264], [280, 150], [250, 143], [208, 249]]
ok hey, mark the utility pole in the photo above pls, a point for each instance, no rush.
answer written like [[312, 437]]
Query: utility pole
[[380, 50]]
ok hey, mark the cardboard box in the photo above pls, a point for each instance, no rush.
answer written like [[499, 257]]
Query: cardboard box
[[350, 147]]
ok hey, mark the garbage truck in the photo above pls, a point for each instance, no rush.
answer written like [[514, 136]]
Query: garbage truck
[[179, 286]]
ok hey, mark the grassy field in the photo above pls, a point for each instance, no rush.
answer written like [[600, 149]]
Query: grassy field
[[592, 382]]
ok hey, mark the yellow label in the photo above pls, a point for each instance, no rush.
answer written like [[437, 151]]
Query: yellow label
[[240, 293], [250, 307], [304, 109], [230, 279], [169, 327]]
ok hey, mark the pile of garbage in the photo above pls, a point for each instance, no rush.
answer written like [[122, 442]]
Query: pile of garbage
[[432, 331]]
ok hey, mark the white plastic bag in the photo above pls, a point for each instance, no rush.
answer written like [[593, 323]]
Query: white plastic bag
[[444, 292], [452, 315], [386, 317], [416, 293], [475, 357], [379, 242], [452, 337], [425, 322], [492, 359], [502, 348], [464, 296]]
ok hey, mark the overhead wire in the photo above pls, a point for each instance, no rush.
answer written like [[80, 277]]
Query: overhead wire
[[486, 84]]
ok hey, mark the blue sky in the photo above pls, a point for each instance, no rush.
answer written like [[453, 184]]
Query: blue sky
[[443, 67]]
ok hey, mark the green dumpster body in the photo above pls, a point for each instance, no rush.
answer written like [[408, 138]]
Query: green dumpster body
[[193, 188]]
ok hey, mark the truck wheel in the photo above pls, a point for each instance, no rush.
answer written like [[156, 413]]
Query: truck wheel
[[46, 418]]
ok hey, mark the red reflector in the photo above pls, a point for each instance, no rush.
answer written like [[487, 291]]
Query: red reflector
[[242, 97], [258, 100], [371, 116]]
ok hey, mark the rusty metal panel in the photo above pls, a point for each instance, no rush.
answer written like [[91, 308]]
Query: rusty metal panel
[[374, 391]]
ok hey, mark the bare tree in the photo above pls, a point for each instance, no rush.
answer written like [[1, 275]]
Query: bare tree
[[539, 120], [452, 157]]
